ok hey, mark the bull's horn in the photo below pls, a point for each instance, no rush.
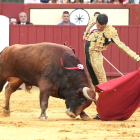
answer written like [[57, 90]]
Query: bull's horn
[[86, 95]]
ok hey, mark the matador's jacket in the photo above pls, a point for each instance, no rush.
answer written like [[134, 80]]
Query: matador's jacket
[[97, 42]]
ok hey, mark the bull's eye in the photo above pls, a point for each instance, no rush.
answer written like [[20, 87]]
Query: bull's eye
[[82, 100]]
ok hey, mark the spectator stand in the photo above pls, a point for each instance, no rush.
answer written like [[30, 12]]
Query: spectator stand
[[12, 1]]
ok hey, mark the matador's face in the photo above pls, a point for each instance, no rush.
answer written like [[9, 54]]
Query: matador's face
[[100, 27]]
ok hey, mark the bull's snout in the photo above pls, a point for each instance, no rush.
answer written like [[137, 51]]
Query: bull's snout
[[70, 114]]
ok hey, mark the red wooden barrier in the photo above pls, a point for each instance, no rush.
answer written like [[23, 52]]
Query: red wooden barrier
[[12, 9], [73, 35], [0, 7]]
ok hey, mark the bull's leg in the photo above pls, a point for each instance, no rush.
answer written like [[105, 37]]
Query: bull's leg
[[12, 86], [44, 86], [84, 116], [44, 96]]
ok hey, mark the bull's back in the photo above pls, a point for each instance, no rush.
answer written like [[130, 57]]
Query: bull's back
[[33, 58], [37, 49]]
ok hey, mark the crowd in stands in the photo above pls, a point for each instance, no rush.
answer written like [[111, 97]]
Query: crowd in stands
[[22, 19], [76, 1], [84, 1]]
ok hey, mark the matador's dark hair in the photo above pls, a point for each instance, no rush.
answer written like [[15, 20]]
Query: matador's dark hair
[[102, 19]]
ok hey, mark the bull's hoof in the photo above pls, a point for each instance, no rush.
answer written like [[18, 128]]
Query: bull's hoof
[[43, 117], [84, 116], [6, 113]]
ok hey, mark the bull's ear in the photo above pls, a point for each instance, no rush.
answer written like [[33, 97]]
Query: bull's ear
[[79, 92]]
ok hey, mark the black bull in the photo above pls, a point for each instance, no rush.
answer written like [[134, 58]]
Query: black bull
[[39, 65]]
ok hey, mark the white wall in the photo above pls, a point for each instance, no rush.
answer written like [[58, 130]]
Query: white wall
[[54, 16], [4, 34]]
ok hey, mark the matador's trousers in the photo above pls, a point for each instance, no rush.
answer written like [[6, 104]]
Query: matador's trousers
[[94, 63]]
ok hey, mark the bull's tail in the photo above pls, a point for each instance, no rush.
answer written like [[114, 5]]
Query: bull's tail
[[28, 88]]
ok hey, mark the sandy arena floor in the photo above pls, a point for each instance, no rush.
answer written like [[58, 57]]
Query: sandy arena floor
[[24, 123]]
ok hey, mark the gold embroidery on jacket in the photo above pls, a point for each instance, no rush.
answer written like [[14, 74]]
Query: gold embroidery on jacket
[[125, 48], [97, 64], [110, 32]]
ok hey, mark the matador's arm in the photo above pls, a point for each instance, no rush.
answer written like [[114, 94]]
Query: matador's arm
[[111, 34], [92, 22], [125, 48]]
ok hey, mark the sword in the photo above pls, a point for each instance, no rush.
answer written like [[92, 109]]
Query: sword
[[113, 66]]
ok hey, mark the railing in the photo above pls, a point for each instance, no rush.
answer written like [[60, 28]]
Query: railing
[[73, 36]]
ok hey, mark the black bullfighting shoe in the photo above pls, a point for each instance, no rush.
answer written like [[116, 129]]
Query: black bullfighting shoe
[[96, 117]]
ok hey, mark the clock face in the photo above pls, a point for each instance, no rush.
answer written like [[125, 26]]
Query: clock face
[[79, 17]]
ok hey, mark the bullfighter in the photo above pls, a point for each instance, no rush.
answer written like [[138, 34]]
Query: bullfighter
[[98, 36]]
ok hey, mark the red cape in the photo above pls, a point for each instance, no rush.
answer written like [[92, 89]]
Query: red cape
[[119, 98]]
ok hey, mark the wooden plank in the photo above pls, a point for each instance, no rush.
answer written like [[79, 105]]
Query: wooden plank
[[74, 43], [0, 7], [32, 35], [14, 35], [57, 34], [133, 46], [115, 55], [81, 45], [49, 34], [123, 56], [138, 46], [23, 34], [65, 35], [40, 34]]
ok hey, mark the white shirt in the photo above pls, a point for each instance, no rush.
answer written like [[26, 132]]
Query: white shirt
[[22, 23], [93, 27]]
